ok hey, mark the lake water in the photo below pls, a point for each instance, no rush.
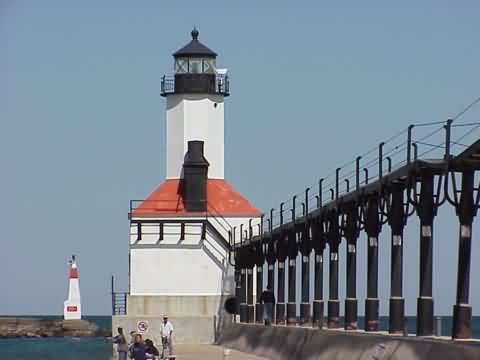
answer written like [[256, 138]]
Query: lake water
[[68, 348]]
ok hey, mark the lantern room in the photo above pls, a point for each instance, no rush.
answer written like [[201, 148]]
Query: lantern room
[[195, 71]]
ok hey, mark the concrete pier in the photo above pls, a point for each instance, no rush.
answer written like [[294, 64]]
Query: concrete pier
[[280, 342]]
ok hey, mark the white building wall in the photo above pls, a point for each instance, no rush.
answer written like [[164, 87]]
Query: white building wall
[[182, 267], [195, 117], [163, 271]]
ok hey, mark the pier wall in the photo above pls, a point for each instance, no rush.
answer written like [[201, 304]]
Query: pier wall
[[279, 342], [196, 319]]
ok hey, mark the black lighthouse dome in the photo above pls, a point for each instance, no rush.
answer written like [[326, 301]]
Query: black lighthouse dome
[[195, 71]]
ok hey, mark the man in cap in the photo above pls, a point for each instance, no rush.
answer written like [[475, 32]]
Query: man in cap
[[166, 331]]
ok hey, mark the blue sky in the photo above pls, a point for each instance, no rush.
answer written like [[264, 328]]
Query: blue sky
[[313, 84]]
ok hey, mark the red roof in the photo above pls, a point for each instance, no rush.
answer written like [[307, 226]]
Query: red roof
[[222, 199]]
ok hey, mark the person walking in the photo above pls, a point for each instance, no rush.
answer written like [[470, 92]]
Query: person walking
[[122, 347], [166, 331], [138, 350], [268, 300]]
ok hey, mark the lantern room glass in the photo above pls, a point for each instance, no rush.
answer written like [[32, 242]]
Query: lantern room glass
[[195, 65]]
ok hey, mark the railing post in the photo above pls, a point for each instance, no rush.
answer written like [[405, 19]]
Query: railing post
[[380, 160], [113, 296]]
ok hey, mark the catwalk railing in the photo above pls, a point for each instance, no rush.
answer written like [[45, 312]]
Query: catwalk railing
[[157, 215], [220, 84], [119, 300], [416, 171]]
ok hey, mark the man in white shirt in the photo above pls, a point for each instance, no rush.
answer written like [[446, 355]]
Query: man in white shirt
[[166, 330]]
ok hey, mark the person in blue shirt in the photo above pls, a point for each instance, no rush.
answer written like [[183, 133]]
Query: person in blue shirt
[[138, 350]]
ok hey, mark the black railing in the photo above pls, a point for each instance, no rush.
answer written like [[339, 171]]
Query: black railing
[[221, 85], [119, 300], [119, 303], [167, 85]]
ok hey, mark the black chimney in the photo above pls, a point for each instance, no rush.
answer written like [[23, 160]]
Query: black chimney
[[195, 170]]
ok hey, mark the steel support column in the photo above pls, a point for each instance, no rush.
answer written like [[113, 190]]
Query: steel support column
[[271, 258], [396, 220], [425, 209], [351, 303], [243, 295], [238, 289], [462, 311], [318, 241], [333, 320], [372, 227], [292, 277], [292, 291], [258, 305], [305, 317], [250, 306], [280, 306]]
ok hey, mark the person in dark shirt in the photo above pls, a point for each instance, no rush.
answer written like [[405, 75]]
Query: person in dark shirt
[[138, 349], [151, 349], [268, 300]]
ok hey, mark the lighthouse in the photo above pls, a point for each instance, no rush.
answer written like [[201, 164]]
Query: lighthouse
[[182, 232], [72, 308]]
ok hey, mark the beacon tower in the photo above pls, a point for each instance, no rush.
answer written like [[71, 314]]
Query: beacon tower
[[181, 234], [72, 308]]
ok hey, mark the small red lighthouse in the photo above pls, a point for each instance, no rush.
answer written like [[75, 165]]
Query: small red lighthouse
[[72, 308]]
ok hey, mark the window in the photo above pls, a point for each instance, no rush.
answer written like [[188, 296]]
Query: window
[[195, 66], [181, 66], [209, 66]]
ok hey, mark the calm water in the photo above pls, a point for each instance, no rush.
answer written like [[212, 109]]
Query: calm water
[[100, 349]]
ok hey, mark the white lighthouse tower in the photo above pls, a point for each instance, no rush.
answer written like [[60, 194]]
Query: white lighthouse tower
[[72, 308], [180, 235]]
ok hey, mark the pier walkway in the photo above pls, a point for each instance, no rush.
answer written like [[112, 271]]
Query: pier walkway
[[200, 352]]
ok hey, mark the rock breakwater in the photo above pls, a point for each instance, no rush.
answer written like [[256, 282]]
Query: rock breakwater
[[25, 327]]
